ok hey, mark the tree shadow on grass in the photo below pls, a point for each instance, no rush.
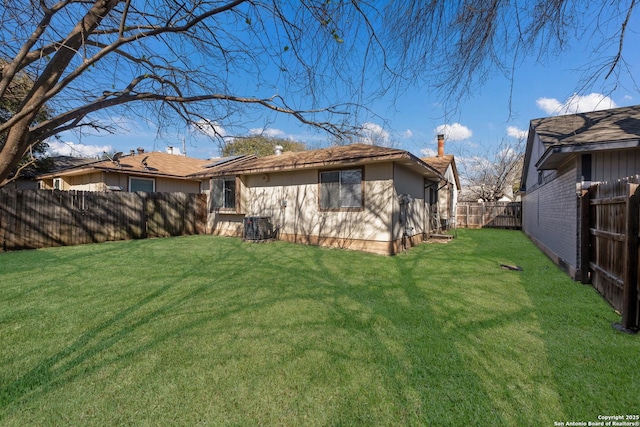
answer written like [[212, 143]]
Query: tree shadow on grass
[[359, 339], [418, 366], [52, 372]]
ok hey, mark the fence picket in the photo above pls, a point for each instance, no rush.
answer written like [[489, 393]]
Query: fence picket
[[613, 211], [45, 218], [489, 215]]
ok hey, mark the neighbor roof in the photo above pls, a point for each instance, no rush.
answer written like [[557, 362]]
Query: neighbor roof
[[562, 136], [348, 155], [442, 163], [144, 164]]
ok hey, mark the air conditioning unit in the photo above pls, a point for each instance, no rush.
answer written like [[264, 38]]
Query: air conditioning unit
[[258, 228]]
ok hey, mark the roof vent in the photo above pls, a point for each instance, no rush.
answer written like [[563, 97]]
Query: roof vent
[[140, 150], [278, 149]]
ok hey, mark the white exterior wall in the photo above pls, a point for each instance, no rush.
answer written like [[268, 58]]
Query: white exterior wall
[[265, 196], [100, 181], [291, 200], [452, 194], [408, 182], [168, 185], [89, 182]]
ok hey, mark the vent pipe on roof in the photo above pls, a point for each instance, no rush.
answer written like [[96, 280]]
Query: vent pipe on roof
[[440, 145], [278, 149], [140, 150]]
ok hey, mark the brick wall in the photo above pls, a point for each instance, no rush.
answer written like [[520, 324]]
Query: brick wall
[[550, 216]]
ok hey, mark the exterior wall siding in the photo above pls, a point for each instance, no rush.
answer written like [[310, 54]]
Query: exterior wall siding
[[167, 185], [412, 184], [550, 216], [100, 181], [291, 200], [302, 218], [610, 166]]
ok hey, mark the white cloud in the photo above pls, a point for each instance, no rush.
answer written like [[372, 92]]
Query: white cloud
[[576, 104], [77, 150], [428, 152], [407, 133], [210, 128], [514, 132], [271, 133], [374, 134], [454, 132]]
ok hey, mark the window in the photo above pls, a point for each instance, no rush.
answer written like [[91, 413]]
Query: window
[[223, 193], [147, 185], [586, 167], [57, 183], [341, 189]]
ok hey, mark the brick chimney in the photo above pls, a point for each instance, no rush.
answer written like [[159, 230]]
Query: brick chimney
[[440, 145]]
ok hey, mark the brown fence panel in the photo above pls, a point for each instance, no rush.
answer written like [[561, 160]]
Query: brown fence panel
[[613, 245], [42, 218], [489, 215]]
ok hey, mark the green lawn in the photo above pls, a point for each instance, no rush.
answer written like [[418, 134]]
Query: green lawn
[[205, 330]]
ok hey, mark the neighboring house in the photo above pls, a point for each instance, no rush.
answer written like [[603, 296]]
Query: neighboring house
[[564, 155], [447, 189], [357, 196], [150, 172], [28, 178]]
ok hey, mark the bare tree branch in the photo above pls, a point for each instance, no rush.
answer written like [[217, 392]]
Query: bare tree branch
[[211, 60]]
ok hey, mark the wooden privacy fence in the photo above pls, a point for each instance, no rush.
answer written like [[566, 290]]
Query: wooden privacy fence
[[610, 224], [32, 219], [489, 215]]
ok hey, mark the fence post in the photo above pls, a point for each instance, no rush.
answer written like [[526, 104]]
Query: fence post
[[585, 236], [630, 289]]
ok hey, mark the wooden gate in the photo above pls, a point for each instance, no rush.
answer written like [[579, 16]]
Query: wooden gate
[[612, 249]]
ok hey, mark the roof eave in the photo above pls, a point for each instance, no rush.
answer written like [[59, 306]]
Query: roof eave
[[557, 154], [84, 171], [355, 161]]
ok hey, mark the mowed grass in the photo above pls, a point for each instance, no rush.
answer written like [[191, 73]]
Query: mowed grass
[[204, 330]]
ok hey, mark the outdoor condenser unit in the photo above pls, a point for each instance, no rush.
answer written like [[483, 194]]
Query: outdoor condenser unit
[[257, 228]]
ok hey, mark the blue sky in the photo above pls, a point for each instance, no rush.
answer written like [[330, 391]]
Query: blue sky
[[411, 120]]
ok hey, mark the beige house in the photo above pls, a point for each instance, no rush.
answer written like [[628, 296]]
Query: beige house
[[358, 196], [138, 171]]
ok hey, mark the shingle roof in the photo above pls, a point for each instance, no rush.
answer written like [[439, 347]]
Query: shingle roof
[[157, 164], [617, 124], [66, 162], [347, 155], [441, 163]]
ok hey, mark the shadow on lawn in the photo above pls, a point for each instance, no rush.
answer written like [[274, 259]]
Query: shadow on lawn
[[53, 371], [363, 339], [461, 344], [62, 367], [421, 372]]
